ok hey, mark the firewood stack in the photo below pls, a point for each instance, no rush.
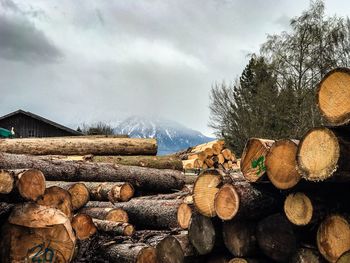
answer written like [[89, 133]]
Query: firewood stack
[[209, 155], [288, 202]]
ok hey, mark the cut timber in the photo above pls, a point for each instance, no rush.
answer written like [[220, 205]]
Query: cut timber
[[168, 247], [299, 209], [151, 214], [184, 215], [239, 238], [276, 238], [201, 155], [333, 237], [106, 213], [227, 154], [204, 191], [58, 198], [5, 210], [345, 258], [244, 200], [306, 255], [281, 166], [130, 253], [201, 234], [114, 228], [158, 162], [30, 183], [187, 248], [37, 234], [323, 153], [192, 164], [245, 260], [253, 158], [333, 94], [83, 226], [80, 146], [78, 191], [156, 180], [214, 146]]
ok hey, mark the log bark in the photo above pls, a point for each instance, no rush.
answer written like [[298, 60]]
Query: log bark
[[35, 233], [130, 253], [5, 210], [333, 237], [59, 198], [79, 146], [151, 214], [244, 200], [323, 154], [106, 213], [281, 166], [245, 260], [276, 238], [78, 191], [253, 158], [156, 180], [158, 162], [204, 191], [83, 226], [239, 238], [184, 241], [332, 94], [28, 183], [192, 164], [201, 234], [114, 228]]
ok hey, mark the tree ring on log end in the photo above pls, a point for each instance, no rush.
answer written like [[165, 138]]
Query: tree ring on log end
[[117, 215], [333, 237], [227, 202], [298, 209], [318, 154], [31, 184], [6, 182], [184, 214]]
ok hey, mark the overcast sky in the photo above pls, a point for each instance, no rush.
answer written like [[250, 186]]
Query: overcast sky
[[85, 61]]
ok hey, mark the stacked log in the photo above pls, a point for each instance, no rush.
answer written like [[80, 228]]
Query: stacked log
[[209, 155]]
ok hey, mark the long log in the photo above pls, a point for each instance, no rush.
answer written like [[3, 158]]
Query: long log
[[156, 180], [37, 233], [333, 237], [114, 228], [239, 238], [244, 200], [281, 166], [130, 253], [332, 96], [150, 214], [28, 183], [253, 158], [79, 146], [276, 238], [307, 255], [106, 213], [323, 153], [158, 162]]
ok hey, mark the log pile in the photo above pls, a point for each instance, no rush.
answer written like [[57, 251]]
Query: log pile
[[209, 155], [287, 203]]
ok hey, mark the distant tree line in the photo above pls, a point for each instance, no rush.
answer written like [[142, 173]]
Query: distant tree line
[[99, 128], [275, 95]]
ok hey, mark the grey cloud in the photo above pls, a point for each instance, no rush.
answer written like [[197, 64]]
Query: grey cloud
[[20, 40]]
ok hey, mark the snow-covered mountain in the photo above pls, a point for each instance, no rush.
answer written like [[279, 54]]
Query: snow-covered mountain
[[171, 136]]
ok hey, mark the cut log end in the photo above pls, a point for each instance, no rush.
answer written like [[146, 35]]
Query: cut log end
[[117, 215], [58, 198], [147, 255], [83, 226], [318, 154], [204, 191], [201, 233], [281, 166], [31, 184], [331, 96], [238, 260], [80, 195], [6, 182], [253, 158], [226, 202], [184, 214], [122, 193], [333, 237], [298, 209], [169, 250]]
